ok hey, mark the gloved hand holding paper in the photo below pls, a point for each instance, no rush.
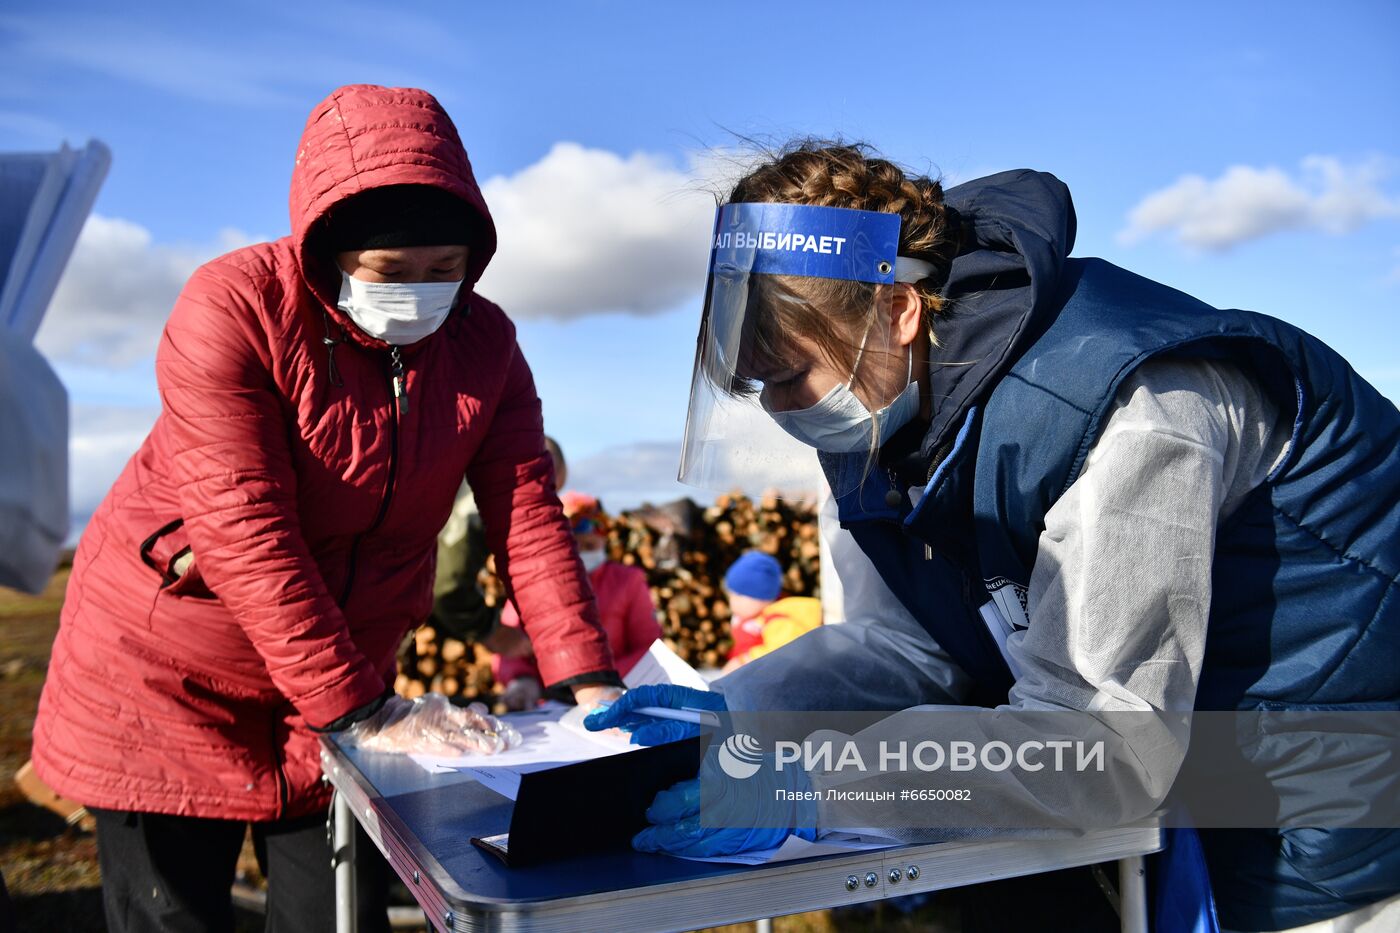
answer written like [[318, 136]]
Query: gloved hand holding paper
[[432, 725]]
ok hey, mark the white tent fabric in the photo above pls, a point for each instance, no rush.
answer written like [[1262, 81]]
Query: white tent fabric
[[44, 200], [33, 466]]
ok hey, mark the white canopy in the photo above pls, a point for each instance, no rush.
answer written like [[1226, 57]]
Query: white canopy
[[44, 199]]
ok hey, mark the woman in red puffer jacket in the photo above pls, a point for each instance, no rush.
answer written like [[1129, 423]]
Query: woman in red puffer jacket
[[249, 576]]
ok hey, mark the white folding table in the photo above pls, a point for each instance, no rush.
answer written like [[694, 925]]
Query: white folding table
[[423, 824]]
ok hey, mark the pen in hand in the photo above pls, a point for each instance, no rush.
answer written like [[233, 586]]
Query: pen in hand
[[699, 717]]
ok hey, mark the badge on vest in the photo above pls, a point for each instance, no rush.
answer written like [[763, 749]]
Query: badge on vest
[[1004, 615]]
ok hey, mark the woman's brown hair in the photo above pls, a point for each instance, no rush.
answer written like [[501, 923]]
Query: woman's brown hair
[[835, 312]]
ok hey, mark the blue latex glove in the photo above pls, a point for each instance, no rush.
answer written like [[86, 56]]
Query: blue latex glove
[[648, 730], [756, 819]]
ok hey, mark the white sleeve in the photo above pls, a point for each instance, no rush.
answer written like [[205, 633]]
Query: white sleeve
[[1120, 591], [832, 539], [1119, 596]]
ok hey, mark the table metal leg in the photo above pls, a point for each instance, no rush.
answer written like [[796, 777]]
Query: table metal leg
[[1132, 893], [763, 926], [343, 861]]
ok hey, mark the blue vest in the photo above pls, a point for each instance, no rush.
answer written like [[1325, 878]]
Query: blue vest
[[1305, 607]]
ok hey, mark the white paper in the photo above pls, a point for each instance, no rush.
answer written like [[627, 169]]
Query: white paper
[[795, 847], [554, 735], [661, 665], [547, 743], [616, 739]]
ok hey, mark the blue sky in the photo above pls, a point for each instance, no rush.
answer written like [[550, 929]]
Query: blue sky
[[1247, 153]]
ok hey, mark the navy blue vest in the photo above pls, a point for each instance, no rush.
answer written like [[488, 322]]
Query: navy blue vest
[[1305, 607]]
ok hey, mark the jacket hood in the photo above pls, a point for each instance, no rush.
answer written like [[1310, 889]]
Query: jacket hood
[[1017, 229], [364, 136]]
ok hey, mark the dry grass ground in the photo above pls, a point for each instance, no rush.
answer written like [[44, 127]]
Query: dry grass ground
[[51, 868]]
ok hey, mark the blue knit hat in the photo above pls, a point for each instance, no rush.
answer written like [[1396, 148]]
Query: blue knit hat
[[756, 575]]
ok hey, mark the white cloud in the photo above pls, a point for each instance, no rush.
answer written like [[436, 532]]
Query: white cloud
[[586, 230], [265, 64], [627, 475], [1246, 203], [742, 449], [101, 439], [582, 231], [117, 291], [30, 128], [159, 59]]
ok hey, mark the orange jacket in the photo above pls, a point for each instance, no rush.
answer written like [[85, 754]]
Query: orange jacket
[[781, 622]]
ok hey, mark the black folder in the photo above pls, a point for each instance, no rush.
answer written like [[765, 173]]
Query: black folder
[[590, 806]]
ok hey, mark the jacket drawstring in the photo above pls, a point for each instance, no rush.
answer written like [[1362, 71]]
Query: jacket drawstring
[[331, 343]]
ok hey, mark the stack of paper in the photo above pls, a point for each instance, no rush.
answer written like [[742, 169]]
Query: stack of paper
[[554, 734]]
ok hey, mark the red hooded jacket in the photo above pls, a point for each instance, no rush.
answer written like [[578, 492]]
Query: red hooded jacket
[[311, 503]]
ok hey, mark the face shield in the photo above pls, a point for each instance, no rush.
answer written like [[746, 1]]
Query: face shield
[[797, 307]]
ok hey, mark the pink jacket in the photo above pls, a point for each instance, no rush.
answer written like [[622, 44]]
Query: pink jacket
[[312, 505], [629, 619]]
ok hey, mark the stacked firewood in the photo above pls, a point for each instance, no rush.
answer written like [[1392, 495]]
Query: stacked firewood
[[428, 661], [684, 551]]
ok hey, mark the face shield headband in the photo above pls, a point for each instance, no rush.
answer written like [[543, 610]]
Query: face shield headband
[[731, 442]]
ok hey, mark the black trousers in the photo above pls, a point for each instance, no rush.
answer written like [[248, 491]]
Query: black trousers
[[173, 873]]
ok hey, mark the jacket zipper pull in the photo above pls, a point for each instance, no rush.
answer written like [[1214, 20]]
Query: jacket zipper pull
[[894, 499], [332, 372], [400, 384]]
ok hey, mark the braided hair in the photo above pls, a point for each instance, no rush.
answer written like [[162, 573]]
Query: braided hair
[[834, 313], [825, 174]]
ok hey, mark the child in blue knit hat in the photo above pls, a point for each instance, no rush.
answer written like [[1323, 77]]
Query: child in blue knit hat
[[761, 622]]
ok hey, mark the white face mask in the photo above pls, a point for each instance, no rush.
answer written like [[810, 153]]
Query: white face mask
[[840, 423], [593, 559], [399, 313]]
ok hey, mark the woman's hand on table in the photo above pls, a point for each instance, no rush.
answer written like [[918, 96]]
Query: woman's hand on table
[[432, 725], [589, 696]]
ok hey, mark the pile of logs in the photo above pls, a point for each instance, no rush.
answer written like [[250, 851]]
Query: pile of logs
[[684, 551], [443, 665]]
